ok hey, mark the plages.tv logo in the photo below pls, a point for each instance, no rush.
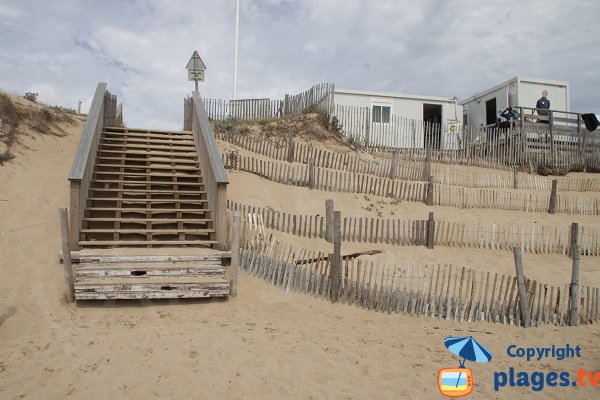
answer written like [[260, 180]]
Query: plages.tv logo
[[457, 382]]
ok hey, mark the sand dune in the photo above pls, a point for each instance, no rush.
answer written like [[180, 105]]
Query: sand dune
[[261, 344]]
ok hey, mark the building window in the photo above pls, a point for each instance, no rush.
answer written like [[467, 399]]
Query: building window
[[381, 114]]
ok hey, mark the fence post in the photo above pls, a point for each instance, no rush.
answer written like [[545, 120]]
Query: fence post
[[551, 127], [329, 220], [336, 264], [516, 183], [553, 197], [427, 165], [430, 231], [394, 165], [64, 233], [235, 254], [574, 238], [573, 314], [290, 154], [311, 174], [429, 199], [187, 114], [367, 128], [523, 303]]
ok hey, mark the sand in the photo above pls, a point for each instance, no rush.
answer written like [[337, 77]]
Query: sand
[[261, 344]]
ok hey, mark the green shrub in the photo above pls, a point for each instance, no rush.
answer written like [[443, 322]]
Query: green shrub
[[31, 96]]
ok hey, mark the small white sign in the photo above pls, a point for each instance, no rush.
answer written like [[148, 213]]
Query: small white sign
[[196, 68], [196, 75]]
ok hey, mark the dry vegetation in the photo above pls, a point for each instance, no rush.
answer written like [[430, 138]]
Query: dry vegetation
[[20, 117], [309, 126]]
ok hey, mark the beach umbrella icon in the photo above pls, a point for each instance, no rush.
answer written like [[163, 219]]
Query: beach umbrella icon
[[468, 348]]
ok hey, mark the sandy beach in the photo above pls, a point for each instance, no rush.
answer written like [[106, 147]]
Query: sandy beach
[[261, 344]]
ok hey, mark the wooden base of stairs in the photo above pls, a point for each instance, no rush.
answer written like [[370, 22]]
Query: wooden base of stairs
[[106, 277]]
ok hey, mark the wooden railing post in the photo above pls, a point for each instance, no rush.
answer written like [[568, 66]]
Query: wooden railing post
[[394, 165], [429, 199], [427, 164], [336, 264], [311, 174], [523, 303], [574, 238], [553, 197], [367, 128], [235, 254], [516, 184], [430, 231], [64, 233], [551, 127], [290, 153], [329, 220], [574, 300]]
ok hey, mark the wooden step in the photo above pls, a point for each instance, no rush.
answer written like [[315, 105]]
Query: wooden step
[[151, 287], [140, 140], [178, 155], [199, 256], [167, 231], [146, 167], [135, 201], [150, 131], [156, 174], [164, 160], [150, 221], [130, 146], [151, 210], [150, 135], [148, 269], [143, 183], [150, 191], [125, 243]]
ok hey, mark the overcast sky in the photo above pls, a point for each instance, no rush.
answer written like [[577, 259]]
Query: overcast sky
[[63, 48]]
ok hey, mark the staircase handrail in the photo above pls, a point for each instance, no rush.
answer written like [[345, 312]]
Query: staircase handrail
[[83, 164], [213, 171]]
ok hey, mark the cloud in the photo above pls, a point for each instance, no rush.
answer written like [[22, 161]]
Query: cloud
[[451, 48]]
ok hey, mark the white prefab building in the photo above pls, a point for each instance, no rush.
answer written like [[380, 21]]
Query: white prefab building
[[399, 120], [484, 108]]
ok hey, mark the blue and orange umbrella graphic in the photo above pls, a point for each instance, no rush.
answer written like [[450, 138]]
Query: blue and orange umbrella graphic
[[456, 382]]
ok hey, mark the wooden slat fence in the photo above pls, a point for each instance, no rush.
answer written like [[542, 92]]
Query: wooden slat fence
[[326, 180], [512, 199], [318, 98], [444, 292], [443, 195], [355, 162], [534, 238]]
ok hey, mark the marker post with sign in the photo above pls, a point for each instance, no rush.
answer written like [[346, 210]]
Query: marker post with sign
[[196, 68]]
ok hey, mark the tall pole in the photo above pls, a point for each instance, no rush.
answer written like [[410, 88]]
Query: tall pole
[[235, 55]]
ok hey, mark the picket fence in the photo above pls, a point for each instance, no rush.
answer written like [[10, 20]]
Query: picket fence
[[445, 292], [443, 195], [534, 238], [387, 166], [318, 98]]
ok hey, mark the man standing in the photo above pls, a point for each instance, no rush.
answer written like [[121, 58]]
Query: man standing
[[542, 106]]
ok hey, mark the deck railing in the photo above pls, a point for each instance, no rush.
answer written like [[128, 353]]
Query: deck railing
[[104, 112], [213, 173]]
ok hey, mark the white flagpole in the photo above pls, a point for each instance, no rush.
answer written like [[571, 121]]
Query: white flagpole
[[235, 56]]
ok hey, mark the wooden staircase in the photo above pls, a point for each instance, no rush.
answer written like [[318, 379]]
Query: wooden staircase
[[147, 191]]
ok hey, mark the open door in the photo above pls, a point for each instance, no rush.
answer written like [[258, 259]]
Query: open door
[[432, 116], [491, 115]]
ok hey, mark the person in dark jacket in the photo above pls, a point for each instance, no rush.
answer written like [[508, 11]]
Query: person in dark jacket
[[542, 106]]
